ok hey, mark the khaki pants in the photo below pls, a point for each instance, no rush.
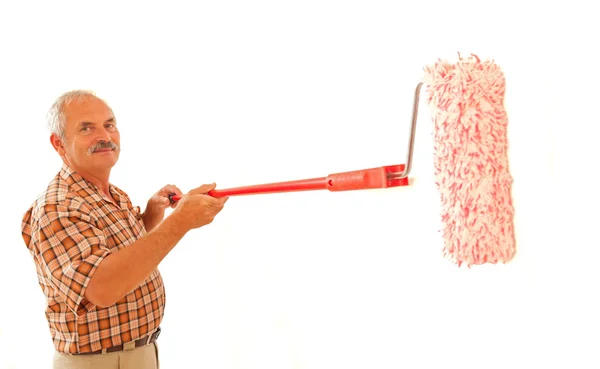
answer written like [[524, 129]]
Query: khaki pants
[[145, 357]]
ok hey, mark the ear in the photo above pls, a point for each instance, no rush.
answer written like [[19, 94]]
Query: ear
[[57, 144]]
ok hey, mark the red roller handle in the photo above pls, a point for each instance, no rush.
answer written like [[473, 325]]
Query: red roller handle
[[380, 177]]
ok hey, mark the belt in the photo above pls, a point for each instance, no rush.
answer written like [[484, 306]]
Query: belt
[[128, 345]]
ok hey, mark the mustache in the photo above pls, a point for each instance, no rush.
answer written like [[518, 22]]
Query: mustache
[[102, 145]]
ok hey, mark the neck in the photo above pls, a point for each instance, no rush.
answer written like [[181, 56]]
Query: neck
[[100, 178]]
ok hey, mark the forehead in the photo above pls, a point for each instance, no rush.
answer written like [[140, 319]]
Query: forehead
[[90, 109]]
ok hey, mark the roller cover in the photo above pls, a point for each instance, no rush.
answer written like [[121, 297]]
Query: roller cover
[[466, 101]]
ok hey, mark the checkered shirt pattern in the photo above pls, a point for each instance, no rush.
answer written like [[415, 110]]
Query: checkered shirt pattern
[[69, 230]]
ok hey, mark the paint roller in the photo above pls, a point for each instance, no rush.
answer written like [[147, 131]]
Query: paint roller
[[470, 163], [470, 131]]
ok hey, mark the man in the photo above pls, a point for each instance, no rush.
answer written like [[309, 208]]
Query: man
[[96, 255]]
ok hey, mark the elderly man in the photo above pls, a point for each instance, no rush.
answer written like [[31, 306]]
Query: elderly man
[[96, 254]]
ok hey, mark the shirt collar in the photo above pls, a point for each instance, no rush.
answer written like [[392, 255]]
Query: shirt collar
[[89, 191]]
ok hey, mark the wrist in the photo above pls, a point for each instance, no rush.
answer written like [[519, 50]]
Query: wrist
[[178, 222], [153, 209]]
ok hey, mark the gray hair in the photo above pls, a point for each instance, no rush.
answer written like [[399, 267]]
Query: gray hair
[[56, 115]]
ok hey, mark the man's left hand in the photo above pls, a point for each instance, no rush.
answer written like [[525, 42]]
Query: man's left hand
[[158, 203], [160, 200]]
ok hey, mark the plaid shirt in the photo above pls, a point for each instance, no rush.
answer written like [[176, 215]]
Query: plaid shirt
[[69, 230]]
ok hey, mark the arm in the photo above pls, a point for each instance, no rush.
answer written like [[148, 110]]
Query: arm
[[121, 271], [67, 246], [73, 254]]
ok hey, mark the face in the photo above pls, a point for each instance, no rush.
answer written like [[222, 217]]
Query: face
[[92, 142]]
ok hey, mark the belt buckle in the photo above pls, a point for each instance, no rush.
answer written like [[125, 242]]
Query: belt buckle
[[153, 336]]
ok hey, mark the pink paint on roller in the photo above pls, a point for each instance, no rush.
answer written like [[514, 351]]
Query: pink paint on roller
[[471, 160]]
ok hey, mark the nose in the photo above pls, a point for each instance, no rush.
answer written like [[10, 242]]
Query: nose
[[102, 134]]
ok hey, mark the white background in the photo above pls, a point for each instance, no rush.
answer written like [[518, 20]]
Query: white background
[[242, 93]]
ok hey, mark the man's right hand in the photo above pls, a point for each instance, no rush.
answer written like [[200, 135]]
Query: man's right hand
[[196, 209]]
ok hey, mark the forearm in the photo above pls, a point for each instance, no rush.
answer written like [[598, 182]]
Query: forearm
[[125, 269], [152, 217]]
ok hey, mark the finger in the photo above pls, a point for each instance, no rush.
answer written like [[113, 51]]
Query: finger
[[203, 189], [172, 201], [169, 191], [161, 201], [172, 189], [175, 201], [219, 202]]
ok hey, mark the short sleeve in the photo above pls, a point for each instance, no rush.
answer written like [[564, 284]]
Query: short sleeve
[[70, 248]]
